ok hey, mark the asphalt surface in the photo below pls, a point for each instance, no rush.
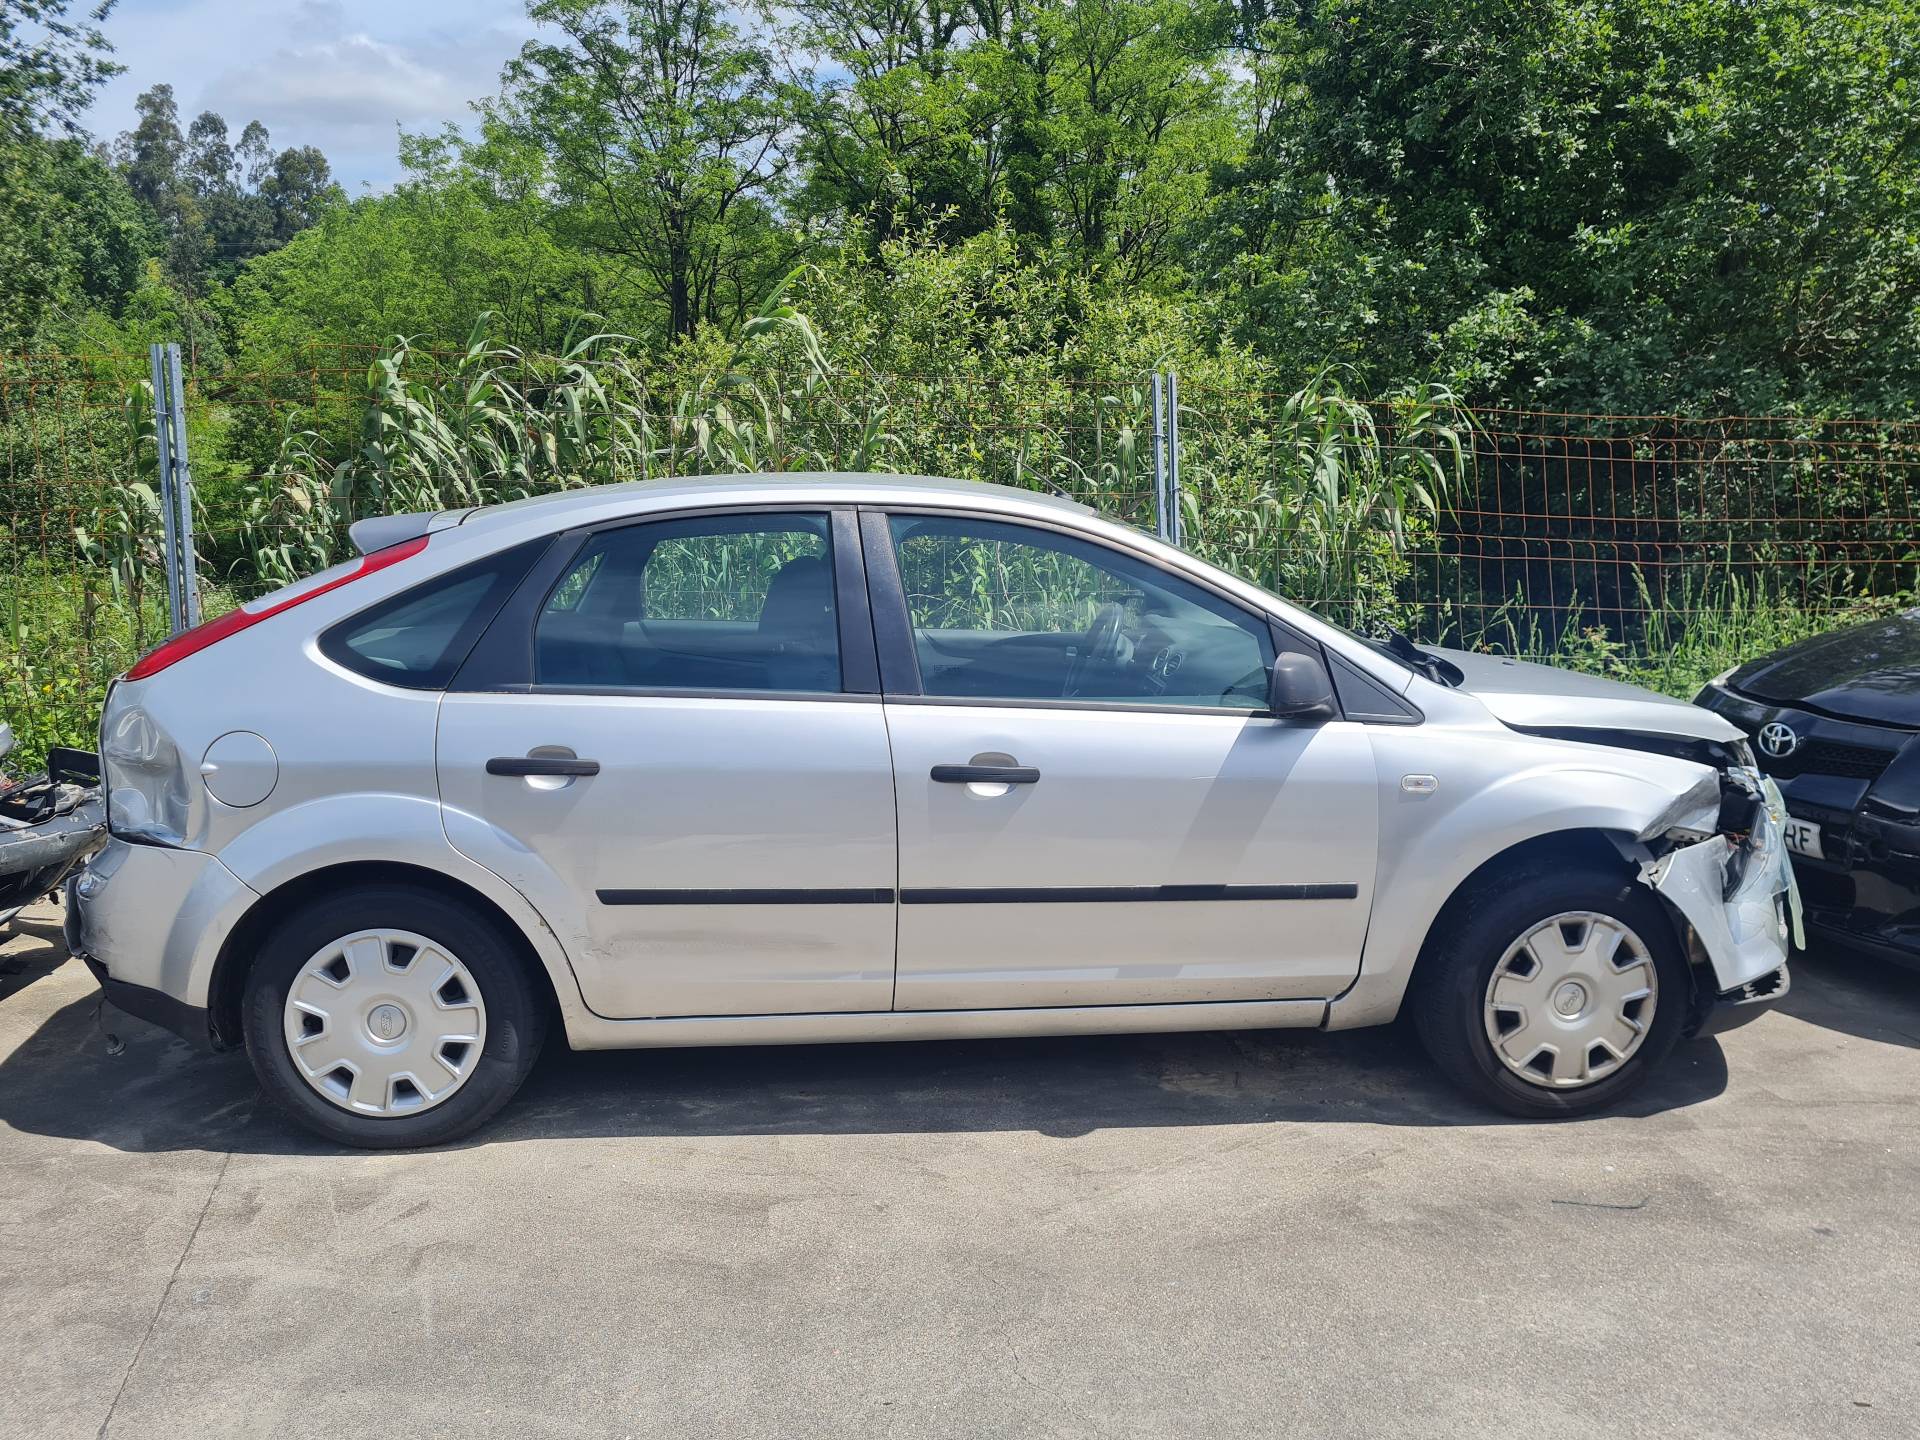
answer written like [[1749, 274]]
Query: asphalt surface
[[1218, 1235]]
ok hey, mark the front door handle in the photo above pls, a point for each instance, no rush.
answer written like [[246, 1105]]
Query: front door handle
[[986, 775], [540, 765]]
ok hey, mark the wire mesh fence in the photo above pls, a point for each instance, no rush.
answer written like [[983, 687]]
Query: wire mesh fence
[[1523, 532], [1638, 525]]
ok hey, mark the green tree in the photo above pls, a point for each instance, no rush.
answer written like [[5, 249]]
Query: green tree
[[155, 158], [1135, 116], [150, 154], [71, 237], [1095, 124], [60, 235], [662, 125], [468, 232], [216, 204], [296, 192], [1647, 205], [913, 117], [50, 65]]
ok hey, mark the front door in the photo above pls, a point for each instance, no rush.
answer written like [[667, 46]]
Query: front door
[[688, 783], [1093, 807]]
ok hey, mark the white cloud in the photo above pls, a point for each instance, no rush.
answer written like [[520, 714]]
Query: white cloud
[[339, 74], [350, 83]]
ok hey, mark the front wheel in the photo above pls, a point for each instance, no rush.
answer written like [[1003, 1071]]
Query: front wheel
[[389, 1016], [1554, 993]]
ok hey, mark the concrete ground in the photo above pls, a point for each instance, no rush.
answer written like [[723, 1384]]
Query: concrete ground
[[1214, 1235]]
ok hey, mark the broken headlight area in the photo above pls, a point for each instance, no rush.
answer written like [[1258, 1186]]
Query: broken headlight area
[[1692, 816], [1735, 886], [1730, 802]]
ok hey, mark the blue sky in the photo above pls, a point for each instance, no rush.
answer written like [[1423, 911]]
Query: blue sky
[[340, 74]]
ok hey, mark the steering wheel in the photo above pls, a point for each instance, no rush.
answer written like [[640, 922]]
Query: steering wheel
[[1101, 645]]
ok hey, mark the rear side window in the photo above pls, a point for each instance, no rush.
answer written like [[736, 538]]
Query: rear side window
[[418, 638], [726, 604]]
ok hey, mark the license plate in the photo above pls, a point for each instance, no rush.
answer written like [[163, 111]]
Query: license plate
[[1803, 838]]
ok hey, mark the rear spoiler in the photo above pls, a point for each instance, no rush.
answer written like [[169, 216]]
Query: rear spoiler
[[377, 532]]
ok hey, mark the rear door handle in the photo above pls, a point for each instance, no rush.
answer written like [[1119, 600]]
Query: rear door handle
[[986, 775], [540, 765]]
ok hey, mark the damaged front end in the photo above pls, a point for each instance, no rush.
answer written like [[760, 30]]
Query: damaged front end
[[1719, 857]]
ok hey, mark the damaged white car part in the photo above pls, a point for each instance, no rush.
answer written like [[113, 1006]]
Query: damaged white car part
[[1735, 889]]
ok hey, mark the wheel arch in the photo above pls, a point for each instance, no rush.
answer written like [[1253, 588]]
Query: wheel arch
[[1378, 998], [1600, 849], [234, 961]]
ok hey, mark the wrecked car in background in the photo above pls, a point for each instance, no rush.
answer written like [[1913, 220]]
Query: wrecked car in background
[[824, 758], [1836, 721], [50, 822]]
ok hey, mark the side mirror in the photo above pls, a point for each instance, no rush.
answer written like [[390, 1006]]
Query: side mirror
[[1299, 689]]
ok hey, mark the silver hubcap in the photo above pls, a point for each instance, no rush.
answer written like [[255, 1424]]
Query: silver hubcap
[[385, 1022], [1571, 1000]]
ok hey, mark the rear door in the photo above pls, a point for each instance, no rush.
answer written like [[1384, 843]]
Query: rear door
[[1094, 806], [672, 743]]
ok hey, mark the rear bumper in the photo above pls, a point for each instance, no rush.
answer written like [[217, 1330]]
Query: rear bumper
[[150, 923], [189, 1022]]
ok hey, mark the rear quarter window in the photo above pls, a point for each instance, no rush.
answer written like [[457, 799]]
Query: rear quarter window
[[419, 638]]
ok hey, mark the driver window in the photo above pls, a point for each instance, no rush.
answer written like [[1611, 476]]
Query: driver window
[[1008, 612]]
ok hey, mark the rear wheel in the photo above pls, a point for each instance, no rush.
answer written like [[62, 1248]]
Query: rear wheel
[[390, 1016], [1553, 992]]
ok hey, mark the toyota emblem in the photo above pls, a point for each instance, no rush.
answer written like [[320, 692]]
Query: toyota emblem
[[1778, 740]]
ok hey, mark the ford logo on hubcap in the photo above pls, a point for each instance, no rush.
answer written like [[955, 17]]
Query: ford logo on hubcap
[[386, 1022], [1778, 740]]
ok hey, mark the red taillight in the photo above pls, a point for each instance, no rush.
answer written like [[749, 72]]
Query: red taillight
[[191, 642]]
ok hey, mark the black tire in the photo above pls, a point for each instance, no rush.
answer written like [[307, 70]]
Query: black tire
[[1449, 992], [516, 1014]]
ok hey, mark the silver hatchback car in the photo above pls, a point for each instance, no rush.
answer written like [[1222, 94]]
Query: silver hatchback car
[[771, 760]]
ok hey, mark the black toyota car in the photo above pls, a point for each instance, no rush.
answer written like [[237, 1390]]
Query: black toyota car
[[1836, 720]]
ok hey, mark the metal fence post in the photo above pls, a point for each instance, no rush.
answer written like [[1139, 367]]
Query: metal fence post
[[175, 481], [183, 496], [163, 481], [1159, 456], [1174, 526]]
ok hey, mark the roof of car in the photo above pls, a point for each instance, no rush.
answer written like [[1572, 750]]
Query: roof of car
[[748, 489]]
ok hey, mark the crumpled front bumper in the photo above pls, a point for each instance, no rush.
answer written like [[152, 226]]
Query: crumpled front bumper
[[1740, 898]]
